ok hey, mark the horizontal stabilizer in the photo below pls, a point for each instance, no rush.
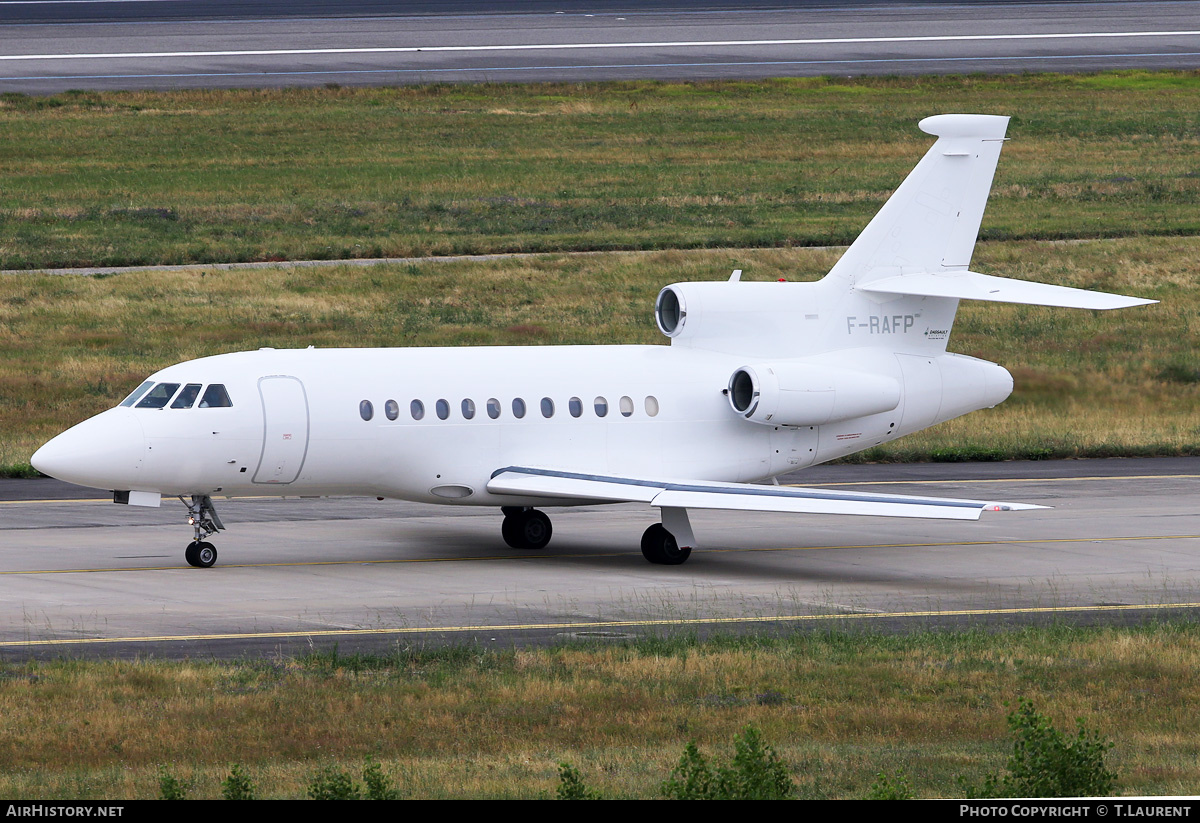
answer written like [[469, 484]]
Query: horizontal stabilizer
[[970, 285], [550, 483]]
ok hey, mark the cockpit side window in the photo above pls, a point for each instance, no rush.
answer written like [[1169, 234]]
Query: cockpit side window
[[137, 393], [187, 397], [215, 397], [158, 396]]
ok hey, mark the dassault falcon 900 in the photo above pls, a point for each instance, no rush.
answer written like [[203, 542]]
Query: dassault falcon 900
[[759, 379]]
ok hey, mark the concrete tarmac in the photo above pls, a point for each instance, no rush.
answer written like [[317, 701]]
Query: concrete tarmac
[[81, 576]]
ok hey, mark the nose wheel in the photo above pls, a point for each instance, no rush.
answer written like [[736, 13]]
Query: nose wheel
[[200, 554], [203, 518]]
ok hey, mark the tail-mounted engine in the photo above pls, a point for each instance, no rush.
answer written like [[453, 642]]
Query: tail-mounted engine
[[806, 394], [732, 316]]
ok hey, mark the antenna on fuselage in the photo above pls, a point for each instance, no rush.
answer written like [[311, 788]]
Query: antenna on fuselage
[[736, 277]]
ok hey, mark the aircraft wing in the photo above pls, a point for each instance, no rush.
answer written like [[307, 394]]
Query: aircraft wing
[[698, 494]]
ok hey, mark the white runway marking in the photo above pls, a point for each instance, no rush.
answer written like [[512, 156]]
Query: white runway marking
[[960, 38], [579, 67]]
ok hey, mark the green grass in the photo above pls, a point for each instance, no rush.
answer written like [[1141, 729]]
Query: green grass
[[706, 176], [208, 176], [466, 722]]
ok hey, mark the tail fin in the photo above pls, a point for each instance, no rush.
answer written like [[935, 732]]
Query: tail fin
[[930, 223], [897, 288], [921, 241]]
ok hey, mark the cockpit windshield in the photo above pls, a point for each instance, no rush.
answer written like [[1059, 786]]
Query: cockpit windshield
[[150, 395], [215, 396], [137, 393], [187, 397], [158, 396]]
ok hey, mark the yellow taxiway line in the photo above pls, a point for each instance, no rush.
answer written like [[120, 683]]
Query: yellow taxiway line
[[583, 625]]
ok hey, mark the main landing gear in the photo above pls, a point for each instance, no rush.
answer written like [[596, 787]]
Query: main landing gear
[[660, 546], [525, 528], [666, 544], [669, 543], [203, 518]]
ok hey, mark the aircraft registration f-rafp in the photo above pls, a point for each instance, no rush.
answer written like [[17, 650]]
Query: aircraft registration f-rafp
[[759, 379]]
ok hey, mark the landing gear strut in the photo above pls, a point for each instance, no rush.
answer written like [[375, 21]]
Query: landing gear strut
[[525, 528], [203, 518]]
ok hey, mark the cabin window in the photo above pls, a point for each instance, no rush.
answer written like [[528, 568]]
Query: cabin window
[[365, 410], [600, 404], [392, 409], [137, 393], [626, 406], [215, 397], [417, 409], [518, 407], [468, 409], [652, 406], [576, 407], [187, 397], [547, 407], [493, 407], [158, 396], [443, 409]]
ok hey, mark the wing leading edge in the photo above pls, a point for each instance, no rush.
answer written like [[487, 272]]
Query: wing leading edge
[[555, 484]]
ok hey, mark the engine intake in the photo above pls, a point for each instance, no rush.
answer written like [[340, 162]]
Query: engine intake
[[670, 312]]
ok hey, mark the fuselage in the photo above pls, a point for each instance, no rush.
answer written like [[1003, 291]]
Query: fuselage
[[433, 424]]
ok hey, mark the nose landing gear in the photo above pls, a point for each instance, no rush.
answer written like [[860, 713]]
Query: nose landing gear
[[203, 518]]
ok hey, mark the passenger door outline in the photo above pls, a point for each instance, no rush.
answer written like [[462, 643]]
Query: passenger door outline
[[285, 429]]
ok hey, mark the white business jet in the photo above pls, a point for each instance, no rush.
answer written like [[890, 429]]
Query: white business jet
[[759, 379]]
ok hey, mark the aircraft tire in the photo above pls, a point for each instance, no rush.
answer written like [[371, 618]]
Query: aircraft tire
[[535, 530], [510, 530], [660, 547], [527, 529], [200, 555]]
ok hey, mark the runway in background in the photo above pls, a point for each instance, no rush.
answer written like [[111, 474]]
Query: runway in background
[[51, 46]]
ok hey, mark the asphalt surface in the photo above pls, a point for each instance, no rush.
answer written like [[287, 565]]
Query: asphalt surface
[[51, 47], [81, 576]]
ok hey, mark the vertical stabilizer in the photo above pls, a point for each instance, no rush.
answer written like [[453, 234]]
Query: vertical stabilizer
[[930, 223]]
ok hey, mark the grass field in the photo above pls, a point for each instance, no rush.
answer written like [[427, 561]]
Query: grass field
[[464, 722], [203, 176], [742, 174], [708, 176]]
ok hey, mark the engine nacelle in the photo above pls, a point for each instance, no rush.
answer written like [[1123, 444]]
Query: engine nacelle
[[743, 317], [806, 394]]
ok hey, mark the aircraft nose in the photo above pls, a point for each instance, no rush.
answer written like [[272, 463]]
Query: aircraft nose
[[104, 452]]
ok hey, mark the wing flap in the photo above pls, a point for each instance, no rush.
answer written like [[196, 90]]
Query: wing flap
[[550, 483]]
